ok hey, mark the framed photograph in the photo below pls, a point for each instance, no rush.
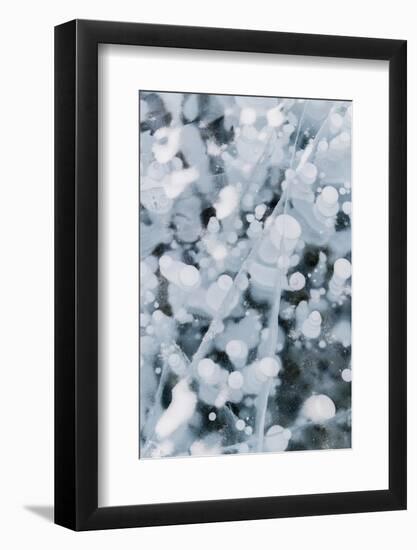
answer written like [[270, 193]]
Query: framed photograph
[[230, 247]]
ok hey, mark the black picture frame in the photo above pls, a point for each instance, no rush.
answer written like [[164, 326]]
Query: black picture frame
[[76, 272]]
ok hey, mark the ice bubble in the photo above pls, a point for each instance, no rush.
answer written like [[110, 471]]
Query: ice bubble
[[176, 182], [347, 207], [327, 202], [219, 252], [342, 271], [221, 398], [260, 211], [189, 276], [166, 145], [213, 225], [200, 448], [165, 261], [318, 408], [297, 281], [225, 282], [174, 360], [177, 364], [308, 173], [208, 370], [227, 203], [323, 145], [242, 282], [275, 117], [235, 380], [237, 350], [311, 327], [247, 115], [286, 229], [347, 375], [269, 366], [240, 425], [342, 268], [179, 411], [276, 439], [213, 149], [247, 201], [212, 416], [283, 262]]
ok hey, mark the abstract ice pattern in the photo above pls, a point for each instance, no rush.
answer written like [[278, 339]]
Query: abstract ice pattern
[[245, 274]]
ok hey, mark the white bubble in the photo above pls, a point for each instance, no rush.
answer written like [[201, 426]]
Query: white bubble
[[206, 368], [219, 252], [236, 348], [212, 416], [327, 204], [242, 282], [308, 173], [311, 327], [283, 261], [260, 211], [269, 366], [240, 425], [287, 226], [157, 316], [275, 117], [189, 276], [165, 261], [225, 282], [318, 408], [297, 281], [276, 439], [342, 268], [235, 380], [227, 203], [174, 360], [347, 375], [247, 115], [323, 145], [347, 207], [330, 195], [315, 317], [213, 225]]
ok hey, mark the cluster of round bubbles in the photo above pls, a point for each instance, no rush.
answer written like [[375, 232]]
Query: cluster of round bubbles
[[245, 274]]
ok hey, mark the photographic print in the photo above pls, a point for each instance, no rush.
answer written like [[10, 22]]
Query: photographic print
[[245, 274]]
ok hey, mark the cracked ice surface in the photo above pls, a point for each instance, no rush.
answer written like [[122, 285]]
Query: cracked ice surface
[[245, 274]]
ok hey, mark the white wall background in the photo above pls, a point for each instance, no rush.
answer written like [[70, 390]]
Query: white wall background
[[26, 272]]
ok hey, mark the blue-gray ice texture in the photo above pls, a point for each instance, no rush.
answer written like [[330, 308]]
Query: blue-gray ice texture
[[245, 274]]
